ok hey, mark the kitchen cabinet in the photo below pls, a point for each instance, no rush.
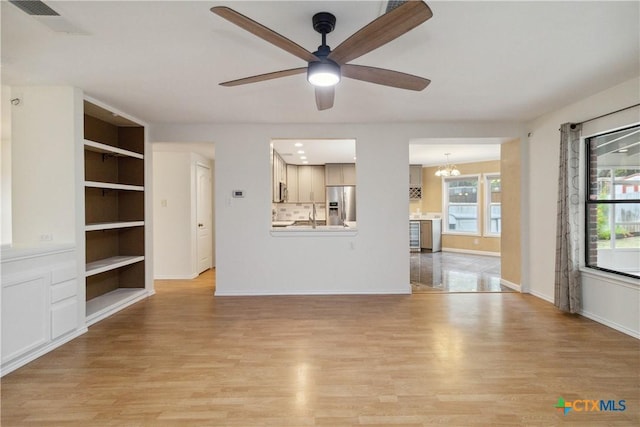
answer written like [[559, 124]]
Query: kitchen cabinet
[[279, 173], [431, 235], [340, 174], [415, 182], [311, 184], [292, 184]]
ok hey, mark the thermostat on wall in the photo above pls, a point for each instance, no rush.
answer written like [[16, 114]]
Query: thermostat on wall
[[237, 193]]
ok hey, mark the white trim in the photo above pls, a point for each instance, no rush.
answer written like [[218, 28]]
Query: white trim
[[511, 285], [21, 361], [612, 278], [541, 296], [11, 254], [610, 324], [471, 252], [175, 277], [445, 205], [114, 301], [486, 227], [404, 291]]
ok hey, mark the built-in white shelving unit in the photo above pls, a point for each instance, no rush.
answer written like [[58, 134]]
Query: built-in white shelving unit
[[112, 225], [107, 149], [111, 263], [113, 186], [114, 189]]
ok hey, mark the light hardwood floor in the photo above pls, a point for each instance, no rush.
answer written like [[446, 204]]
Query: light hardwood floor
[[183, 358]]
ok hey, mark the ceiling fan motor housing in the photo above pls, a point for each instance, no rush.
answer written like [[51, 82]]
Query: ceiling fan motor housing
[[324, 22], [324, 72]]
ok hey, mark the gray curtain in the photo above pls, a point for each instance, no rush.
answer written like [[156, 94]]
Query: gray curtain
[[568, 290]]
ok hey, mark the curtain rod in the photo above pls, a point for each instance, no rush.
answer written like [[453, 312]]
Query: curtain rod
[[573, 125]]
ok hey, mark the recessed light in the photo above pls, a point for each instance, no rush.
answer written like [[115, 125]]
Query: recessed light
[[305, 162], [303, 157], [298, 144], [300, 151]]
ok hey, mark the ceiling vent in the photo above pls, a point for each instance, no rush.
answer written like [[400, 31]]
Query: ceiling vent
[[34, 7], [392, 4]]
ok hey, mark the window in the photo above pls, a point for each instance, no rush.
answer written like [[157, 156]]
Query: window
[[613, 201], [493, 222], [461, 205]]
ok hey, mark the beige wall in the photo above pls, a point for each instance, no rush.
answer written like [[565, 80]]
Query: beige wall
[[432, 202], [511, 224]]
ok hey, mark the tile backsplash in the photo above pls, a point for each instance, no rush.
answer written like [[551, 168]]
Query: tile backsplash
[[297, 211]]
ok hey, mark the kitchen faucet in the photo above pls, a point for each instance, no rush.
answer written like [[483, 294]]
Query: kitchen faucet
[[313, 218]]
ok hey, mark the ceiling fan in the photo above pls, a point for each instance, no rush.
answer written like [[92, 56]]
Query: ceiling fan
[[325, 66]]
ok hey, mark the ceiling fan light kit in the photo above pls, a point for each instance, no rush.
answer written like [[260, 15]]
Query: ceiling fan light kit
[[325, 67]]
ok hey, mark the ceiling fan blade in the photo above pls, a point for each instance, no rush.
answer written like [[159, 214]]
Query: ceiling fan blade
[[264, 77], [382, 30], [264, 33], [384, 77], [324, 97]]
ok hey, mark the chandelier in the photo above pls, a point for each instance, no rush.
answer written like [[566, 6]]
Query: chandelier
[[448, 169]]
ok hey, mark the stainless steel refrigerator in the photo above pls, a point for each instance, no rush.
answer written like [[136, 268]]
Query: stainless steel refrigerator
[[341, 204]]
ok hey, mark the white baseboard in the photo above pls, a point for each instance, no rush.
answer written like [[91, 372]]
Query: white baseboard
[[510, 285], [541, 296], [175, 277], [471, 252], [30, 357], [609, 323], [403, 291]]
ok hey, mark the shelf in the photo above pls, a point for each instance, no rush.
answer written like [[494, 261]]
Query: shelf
[[109, 149], [100, 307], [112, 225], [111, 263], [111, 186]]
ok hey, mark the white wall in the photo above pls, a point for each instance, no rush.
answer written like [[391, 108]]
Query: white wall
[[250, 261], [44, 133], [608, 307], [174, 213], [5, 166]]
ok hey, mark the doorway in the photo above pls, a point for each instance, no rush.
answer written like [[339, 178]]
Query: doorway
[[468, 205], [204, 217]]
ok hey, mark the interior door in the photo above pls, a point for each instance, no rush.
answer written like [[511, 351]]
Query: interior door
[[204, 217]]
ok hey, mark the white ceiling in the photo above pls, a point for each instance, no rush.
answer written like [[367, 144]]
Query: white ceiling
[[315, 151], [431, 151], [161, 61]]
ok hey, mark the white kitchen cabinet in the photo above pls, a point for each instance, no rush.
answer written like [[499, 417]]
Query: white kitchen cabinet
[[431, 235], [279, 173], [415, 182], [340, 174], [311, 186], [292, 184]]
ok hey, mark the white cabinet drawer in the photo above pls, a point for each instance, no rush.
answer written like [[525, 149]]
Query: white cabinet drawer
[[63, 273], [64, 318], [63, 290]]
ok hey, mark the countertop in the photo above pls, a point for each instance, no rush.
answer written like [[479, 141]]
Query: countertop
[[424, 217], [319, 231]]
